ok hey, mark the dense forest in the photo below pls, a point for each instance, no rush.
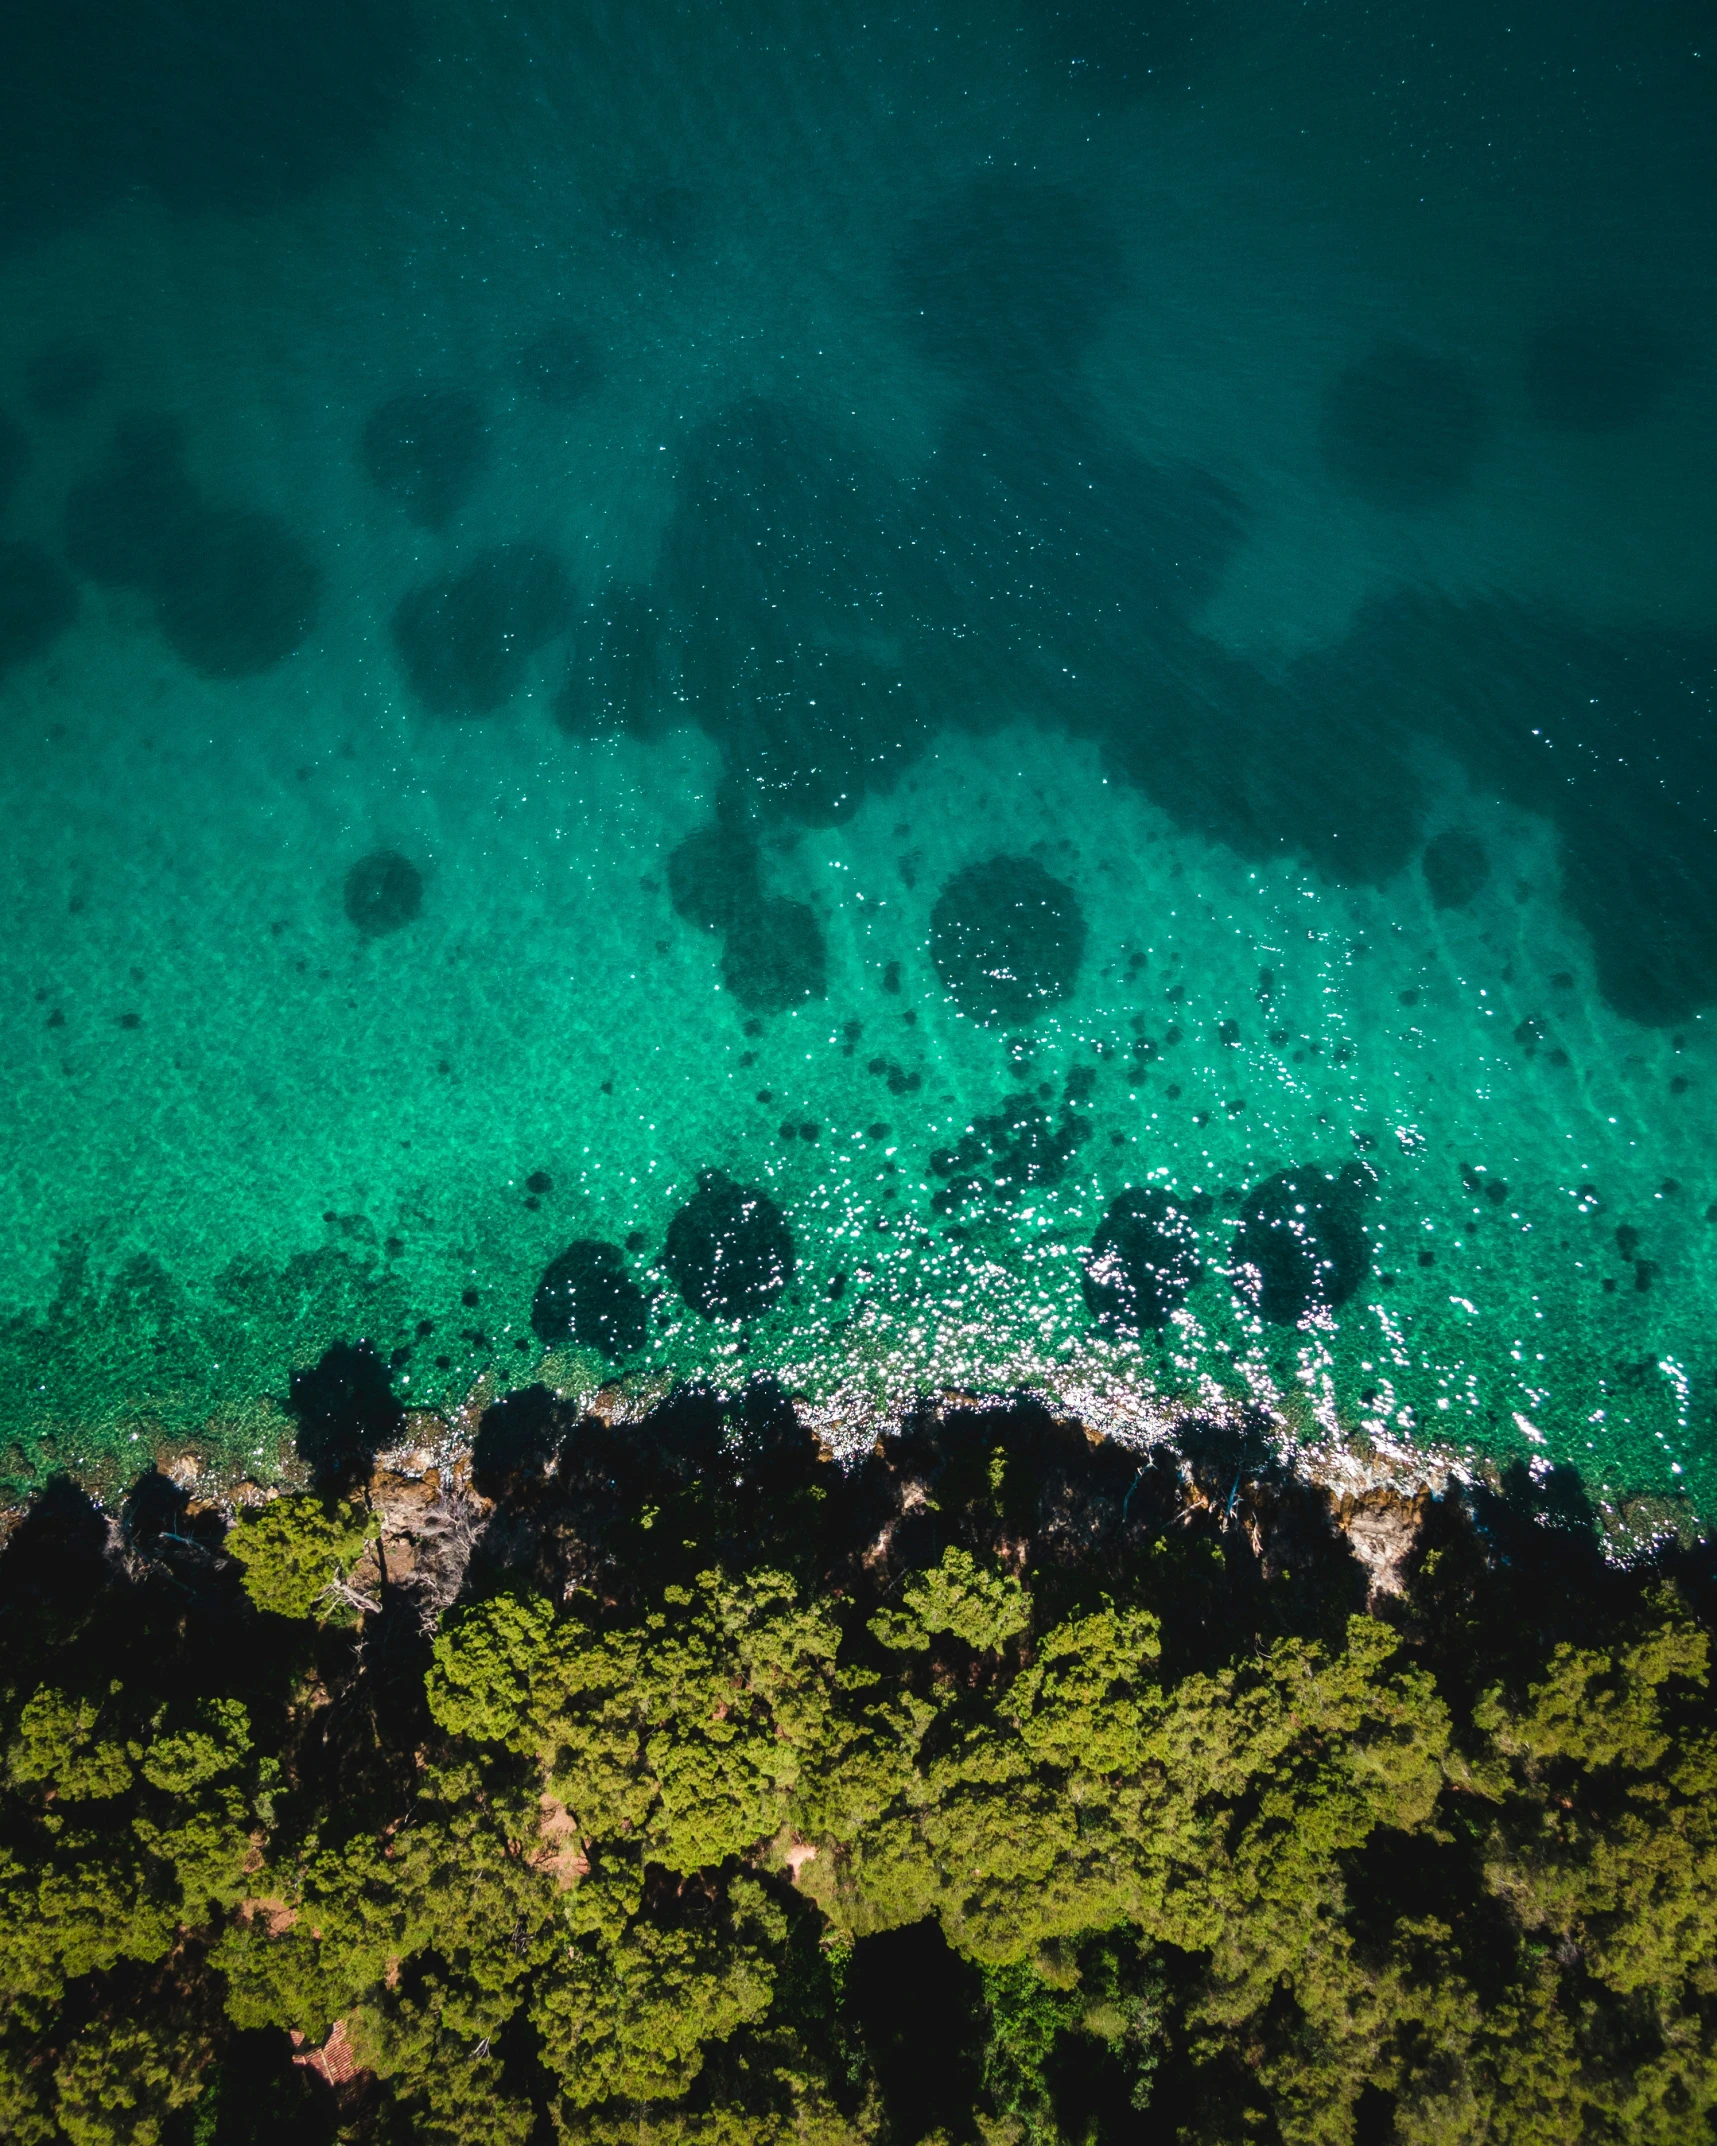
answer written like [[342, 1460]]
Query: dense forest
[[662, 1782]]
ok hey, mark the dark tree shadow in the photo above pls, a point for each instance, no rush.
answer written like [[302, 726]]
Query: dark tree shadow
[[919, 2010], [261, 2098], [346, 1411], [56, 1560], [515, 1442]]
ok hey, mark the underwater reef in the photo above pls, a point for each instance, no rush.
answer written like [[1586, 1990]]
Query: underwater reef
[[661, 1779], [233, 589]]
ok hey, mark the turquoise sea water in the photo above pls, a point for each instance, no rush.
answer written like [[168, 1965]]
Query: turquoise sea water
[[952, 615]]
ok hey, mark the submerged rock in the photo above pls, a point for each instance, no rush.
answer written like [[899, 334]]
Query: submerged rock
[[1301, 1246], [235, 591], [1007, 940], [384, 893], [1006, 1152], [1142, 1262], [466, 643], [729, 1249], [587, 1296]]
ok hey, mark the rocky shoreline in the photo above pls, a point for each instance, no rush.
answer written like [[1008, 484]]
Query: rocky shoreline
[[435, 1496]]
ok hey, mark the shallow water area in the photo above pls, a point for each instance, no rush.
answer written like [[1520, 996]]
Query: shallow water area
[[1250, 521]]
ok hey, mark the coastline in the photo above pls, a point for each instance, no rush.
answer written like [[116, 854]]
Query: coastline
[[1378, 1488]]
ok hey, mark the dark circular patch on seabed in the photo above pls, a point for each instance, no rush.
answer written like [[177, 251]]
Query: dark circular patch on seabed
[[425, 448], [1403, 427], [466, 642], [384, 893], [38, 601], [234, 590], [774, 956], [1007, 940], [1456, 866], [1301, 1246], [729, 1249], [587, 1296], [1142, 1263], [1597, 370], [241, 595]]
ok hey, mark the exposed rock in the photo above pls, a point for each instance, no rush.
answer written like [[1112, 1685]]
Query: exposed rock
[[1382, 1526]]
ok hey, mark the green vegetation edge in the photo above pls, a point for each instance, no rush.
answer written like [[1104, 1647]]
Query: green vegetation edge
[[666, 1782]]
